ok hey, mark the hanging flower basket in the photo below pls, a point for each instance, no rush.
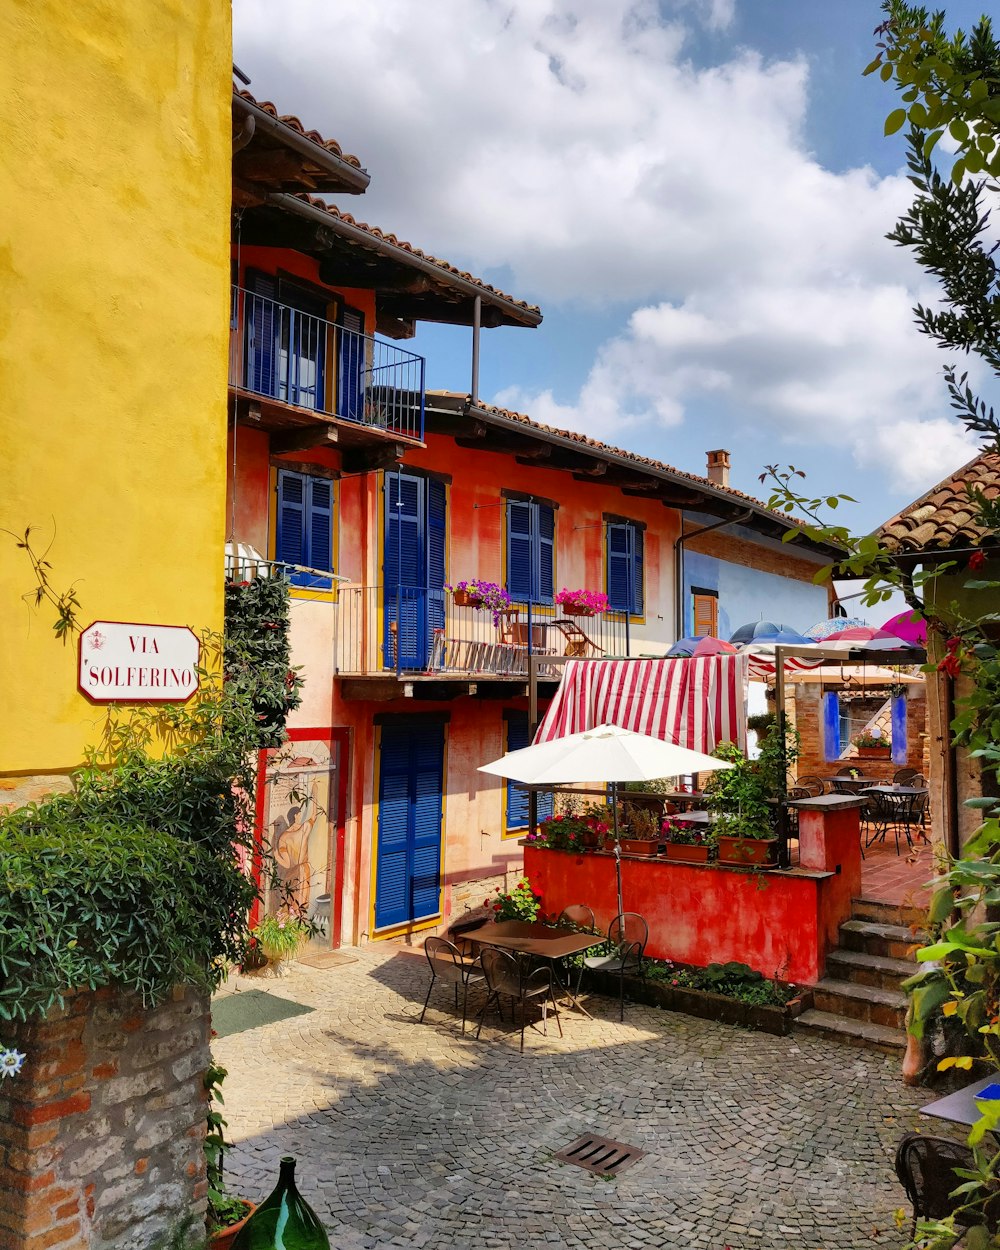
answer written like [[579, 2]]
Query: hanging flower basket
[[466, 599], [582, 602]]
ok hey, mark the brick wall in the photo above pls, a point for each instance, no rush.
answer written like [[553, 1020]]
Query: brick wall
[[805, 710], [101, 1133]]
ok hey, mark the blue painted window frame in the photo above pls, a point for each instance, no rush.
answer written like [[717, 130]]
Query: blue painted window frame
[[531, 540], [516, 730], [304, 526]]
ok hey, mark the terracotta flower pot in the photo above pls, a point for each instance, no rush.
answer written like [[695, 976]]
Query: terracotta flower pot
[[224, 1238], [748, 850], [573, 608], [687, 853], [874, 753], [467, 599], [590, 840], [639, 846]]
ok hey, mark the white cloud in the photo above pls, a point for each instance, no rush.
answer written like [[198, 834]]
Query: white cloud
[[576, 143]]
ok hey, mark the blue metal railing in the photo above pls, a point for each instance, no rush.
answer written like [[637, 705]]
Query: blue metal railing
[[279, 352]]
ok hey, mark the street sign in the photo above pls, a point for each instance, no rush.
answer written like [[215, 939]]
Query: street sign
[[125, 662]]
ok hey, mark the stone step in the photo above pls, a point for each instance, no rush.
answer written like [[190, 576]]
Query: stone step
[[879, 970], [858, 1033], [860, 1002], [895, 940], [887, 913]]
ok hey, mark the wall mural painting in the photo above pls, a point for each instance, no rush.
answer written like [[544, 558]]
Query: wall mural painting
[[301, 819]]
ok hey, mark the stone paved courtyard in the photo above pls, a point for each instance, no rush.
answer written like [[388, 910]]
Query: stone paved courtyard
[[408, 1135]]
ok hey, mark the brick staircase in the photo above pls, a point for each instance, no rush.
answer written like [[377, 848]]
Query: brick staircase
[[859, 1000]]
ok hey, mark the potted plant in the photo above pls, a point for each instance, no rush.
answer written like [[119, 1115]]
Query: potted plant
[[688, 843], [582, 602], [280, 935], [226, 1214], [575, 831], [478, 594], [738, 797], [872, 746], [641, 831]]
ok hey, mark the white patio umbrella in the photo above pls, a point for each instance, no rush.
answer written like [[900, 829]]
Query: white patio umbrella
[[607, 753]]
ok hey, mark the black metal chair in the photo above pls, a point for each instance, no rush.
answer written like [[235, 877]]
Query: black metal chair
[[447, 965], [792, 813], [896, 810], [579, 915], [627, 936], [504, 977], [813, 784], [926, 1170], [904, 776]]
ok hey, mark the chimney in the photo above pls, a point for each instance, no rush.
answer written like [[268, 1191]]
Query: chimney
[[718, 467]]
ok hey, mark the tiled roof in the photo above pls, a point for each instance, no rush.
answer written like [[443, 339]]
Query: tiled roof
[[385, 237], [640, 461], [946, 516], [293, 123]]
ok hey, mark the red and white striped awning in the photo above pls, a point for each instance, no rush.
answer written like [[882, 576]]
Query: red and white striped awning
[[696, 703], [762, 662]]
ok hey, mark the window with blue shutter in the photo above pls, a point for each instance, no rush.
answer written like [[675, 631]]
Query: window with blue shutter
[[305, 526], [260, 329], [624, 551], [531, 529], [517, 796], [410, 809]]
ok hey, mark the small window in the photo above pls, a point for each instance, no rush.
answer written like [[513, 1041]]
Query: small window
[[705, 613], [517, 796], [305, 527], [531, 529], [624, 552]]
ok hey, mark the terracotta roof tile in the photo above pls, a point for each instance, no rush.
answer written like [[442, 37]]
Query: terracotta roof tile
[[945, 516], [293, 123], [641, 461], [386, 237]]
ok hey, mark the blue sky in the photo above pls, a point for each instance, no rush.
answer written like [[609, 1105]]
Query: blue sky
[[695, 192]]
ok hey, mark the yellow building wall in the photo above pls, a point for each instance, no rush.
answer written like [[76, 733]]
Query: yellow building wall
[[114, 268]]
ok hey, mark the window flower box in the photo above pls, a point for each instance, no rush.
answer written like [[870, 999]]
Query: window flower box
[[688, 853], [762, 852], [582, 602]]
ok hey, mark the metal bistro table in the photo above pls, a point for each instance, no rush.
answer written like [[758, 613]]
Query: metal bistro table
[[854, 784], [531, 937], [960, 1107]]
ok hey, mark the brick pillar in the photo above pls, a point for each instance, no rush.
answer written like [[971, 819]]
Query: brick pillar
[[102, 1131]]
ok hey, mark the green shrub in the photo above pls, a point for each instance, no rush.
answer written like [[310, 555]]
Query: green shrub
[[89, 901]]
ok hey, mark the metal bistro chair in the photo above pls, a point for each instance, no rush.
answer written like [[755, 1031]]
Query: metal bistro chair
[[504, 977], [792, 813], [926, 1167], [579, 915], [813, 784], [894, 810], [448, 966], [904, 776], [628, 935]]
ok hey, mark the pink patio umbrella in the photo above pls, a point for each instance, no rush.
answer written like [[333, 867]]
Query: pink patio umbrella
[[864, 638], [909, 626]]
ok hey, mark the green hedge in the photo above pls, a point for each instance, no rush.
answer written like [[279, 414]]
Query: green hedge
[[90, 900]]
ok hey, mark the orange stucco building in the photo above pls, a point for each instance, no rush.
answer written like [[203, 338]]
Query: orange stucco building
[[376, 498]]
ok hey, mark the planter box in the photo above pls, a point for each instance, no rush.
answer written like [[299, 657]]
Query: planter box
[[640, 846], [463, 599], [687, 853], [744, 851], [572, 608], [873, 753], [703, 1004]]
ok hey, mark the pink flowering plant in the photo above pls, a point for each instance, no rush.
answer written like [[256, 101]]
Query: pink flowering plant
[[685, 833], [489, 595], [591, 601], [566, 830]]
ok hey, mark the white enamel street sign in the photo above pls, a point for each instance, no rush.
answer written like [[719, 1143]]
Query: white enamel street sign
[[123, 662]]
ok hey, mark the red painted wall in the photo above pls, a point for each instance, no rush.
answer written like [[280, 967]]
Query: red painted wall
[[777, 922]]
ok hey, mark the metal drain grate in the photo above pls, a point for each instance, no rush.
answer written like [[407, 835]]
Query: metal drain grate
[[599, 1155]]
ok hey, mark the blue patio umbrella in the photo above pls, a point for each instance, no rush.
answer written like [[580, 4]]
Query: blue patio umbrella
[[767, 631], [833, 626]]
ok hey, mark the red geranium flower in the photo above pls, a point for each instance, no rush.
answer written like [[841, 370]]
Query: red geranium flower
[[976, 561]]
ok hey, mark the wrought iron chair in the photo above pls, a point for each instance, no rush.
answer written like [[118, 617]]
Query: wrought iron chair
[[627, 935], [813, 784], [504, 977], [891, 809], [904, 776], [579, 915], [792, 813], [447, 965], [926, 1167]]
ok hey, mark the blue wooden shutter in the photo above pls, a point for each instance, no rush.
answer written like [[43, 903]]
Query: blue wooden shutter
[[392, 870], [411, 796], [619, 572], [259, 315], [546, 523], [831, 726], [319, 531], [437, 534], [427, 746], [351, 366], [405, 570], [290, 540], [519, 550], [638, 572], [517, 796]]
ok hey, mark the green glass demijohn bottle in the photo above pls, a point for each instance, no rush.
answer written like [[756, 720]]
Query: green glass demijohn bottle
[[284, 1220]]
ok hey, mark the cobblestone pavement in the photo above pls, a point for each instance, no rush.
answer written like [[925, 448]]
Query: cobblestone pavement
[[408, 1135]]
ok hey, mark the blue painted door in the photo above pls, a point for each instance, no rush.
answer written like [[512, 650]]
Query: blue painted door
[[413, 568], [410, 813]]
